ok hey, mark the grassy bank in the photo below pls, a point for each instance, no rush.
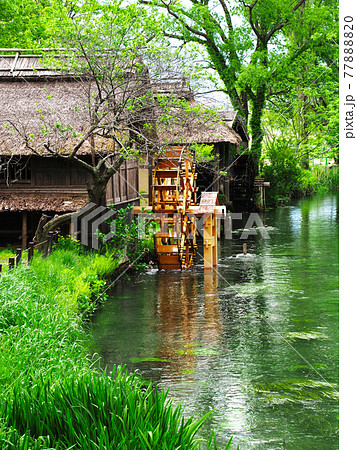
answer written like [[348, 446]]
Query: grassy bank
[[288, 180], [53, 395]]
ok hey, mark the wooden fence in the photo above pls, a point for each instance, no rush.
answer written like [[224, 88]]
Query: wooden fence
[[46, 246]]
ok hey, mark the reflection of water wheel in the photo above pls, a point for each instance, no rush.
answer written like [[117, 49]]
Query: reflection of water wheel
[[173, 192]]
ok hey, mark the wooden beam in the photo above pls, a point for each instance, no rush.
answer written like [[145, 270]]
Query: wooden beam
[[24, 230], [15, 61]]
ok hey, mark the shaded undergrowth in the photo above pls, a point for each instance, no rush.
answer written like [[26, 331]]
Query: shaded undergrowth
[[52, 394], [287, 177]]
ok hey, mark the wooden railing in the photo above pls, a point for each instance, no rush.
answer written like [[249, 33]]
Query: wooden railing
[[46, 246]]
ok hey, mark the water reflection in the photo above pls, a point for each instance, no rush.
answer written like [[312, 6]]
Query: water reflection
[[256, 342], [177, 316]]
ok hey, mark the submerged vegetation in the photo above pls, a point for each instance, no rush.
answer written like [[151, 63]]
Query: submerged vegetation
[[53, 395], [294, 391]]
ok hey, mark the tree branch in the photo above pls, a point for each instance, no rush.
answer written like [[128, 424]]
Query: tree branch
[[285, 22], [228, 17], [250, 8]]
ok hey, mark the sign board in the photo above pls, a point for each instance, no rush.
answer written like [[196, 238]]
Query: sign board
[[208, 202]]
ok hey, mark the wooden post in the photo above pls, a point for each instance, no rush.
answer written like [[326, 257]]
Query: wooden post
[[214, 239], [11, 263], [45, 247], [210, 241], [50, 241], [228, 226], [18, 256], [71, 230], [244, 249], [30, 252], [210, 228], [207, 242], [24, 230]]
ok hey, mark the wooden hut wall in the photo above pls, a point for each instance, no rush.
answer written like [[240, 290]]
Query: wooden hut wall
[[55, 172], [124, 185]]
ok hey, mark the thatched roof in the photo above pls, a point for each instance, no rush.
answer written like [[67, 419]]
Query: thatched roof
[[235, 121], [41, 104], [34, 108], [200, 126], [227, 116], [47, 106], [42, 202]]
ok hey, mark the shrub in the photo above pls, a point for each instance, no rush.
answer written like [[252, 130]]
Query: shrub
[[283, 171], [321, 179], [69, 243], [125, 240], [288, 179]]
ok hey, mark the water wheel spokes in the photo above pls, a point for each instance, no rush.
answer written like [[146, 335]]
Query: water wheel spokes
[[173, 192]]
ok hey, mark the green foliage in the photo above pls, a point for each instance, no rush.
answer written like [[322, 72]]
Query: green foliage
[[31, 23], [69, 243], [282, 171], [51, 395], [203, 152], [112, 412], [277, 50], [281, 167], [5, 254], [321, 179], [128, 241], [74, 273], [40, 327]]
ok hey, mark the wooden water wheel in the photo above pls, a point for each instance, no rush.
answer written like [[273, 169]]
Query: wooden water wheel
[[173, 193]]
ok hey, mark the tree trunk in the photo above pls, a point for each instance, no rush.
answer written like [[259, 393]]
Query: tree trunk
[[95, 193], [97, 188], [258, 103], [44, 228], [101, 176], [305, 132], [39, 230]]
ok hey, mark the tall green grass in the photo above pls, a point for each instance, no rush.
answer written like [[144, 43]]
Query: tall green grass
[[321, 179], [52, 394], [291, 181], [5, 254], [96, 411]]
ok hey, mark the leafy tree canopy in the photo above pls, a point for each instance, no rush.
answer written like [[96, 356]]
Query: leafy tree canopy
[[31, 23], [257, 48]]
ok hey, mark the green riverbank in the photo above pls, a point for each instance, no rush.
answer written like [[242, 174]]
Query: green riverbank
[[53, 395]]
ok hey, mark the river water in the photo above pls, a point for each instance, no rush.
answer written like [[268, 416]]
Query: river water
[[256, 342]]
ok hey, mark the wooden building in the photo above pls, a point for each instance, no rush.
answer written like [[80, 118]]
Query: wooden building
[[36, 182], [241, 174]]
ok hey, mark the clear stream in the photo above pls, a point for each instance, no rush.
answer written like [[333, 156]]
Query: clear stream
[[255, 343]]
